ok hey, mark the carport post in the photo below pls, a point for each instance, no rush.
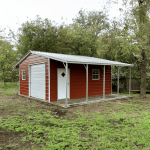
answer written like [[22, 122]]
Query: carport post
[[104, 83], [130, 82], [66, 82], [111, 79], [86, 82], [118, 83]]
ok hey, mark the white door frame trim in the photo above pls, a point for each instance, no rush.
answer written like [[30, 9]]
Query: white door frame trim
[[29, 74], [57, 83]]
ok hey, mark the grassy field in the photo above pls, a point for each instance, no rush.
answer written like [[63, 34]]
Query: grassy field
[[123, 124]]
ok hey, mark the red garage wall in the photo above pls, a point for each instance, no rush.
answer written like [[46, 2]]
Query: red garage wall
[[53, 78], [24, 84], [78, 80]]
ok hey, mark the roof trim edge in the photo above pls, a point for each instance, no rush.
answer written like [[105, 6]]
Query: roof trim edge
[[22, 59]]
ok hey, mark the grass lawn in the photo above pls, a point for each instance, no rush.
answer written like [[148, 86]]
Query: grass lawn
[[119, 124]]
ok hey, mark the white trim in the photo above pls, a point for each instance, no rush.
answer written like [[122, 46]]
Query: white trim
[[115, 63], [49, 76], [22, 75], [37, 63], [98, 74], [22, 59], [74, 62], [118, 84], [130, 82], [87, 83], [58, 58], [29, 67], [45, 80], [19, 78], [111, 80], [104, 82], [29, 76], [66, 82]]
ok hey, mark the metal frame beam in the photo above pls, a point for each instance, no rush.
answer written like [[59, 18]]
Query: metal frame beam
[[86, 82], [66, 82], [130, 82], [104, 82], [111, 79], [86, 67], [118, 84]]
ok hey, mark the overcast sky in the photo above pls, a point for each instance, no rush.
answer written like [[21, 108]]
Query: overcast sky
[[15, 12]]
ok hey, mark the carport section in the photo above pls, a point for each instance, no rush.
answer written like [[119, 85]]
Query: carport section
[[86, 67], [68, 59]]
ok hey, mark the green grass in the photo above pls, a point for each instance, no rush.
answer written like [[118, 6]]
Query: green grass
[[123, 130], [127, 128], [10, 88]]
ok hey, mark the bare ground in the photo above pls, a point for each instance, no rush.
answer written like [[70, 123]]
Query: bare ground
[[13, 138]]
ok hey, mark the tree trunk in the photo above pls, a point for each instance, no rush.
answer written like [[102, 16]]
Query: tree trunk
[[143, 76]]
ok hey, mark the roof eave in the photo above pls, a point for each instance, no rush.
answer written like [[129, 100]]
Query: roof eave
[[22, 59], [49, 57], [109, 64], [75, 62], [32, 52]]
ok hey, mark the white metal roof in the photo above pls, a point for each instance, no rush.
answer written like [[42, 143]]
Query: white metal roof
[[75, 59]]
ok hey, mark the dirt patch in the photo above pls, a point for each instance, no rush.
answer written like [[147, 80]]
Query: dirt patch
[[9, 105], [11, 140], [58, 111]]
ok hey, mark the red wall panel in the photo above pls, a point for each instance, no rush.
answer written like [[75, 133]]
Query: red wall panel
[[24, 84], [53, 78], [78, 80]]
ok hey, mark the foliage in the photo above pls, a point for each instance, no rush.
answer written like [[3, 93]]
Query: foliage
[[7, 58], [96, 20], [110, 129], [77, 41], [76, 38], [37, 35], [128, 40]]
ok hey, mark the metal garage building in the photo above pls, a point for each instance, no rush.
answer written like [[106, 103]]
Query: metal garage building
[[43, 75]]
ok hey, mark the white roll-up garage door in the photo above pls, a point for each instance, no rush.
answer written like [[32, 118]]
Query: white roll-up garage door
[[37, 79]]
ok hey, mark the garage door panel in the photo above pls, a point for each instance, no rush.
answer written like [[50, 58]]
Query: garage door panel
[[37, 74], [38, 88], [38, 81]]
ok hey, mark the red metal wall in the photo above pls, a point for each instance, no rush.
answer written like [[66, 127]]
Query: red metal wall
[[53, 78], [78, 80], [24, 84]]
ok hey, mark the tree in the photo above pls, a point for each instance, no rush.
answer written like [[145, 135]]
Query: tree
[[97, 20], [37, 35], [134, 39], [76, 40], [7, 58], [80, 38]]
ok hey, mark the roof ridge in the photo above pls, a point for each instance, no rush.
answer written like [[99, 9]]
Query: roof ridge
[[67, 54]]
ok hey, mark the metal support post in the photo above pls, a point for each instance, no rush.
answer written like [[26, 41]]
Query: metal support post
[[130, 82], [118, 83], [66, 82], [86, 82], [111, 79], [104, 83]]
